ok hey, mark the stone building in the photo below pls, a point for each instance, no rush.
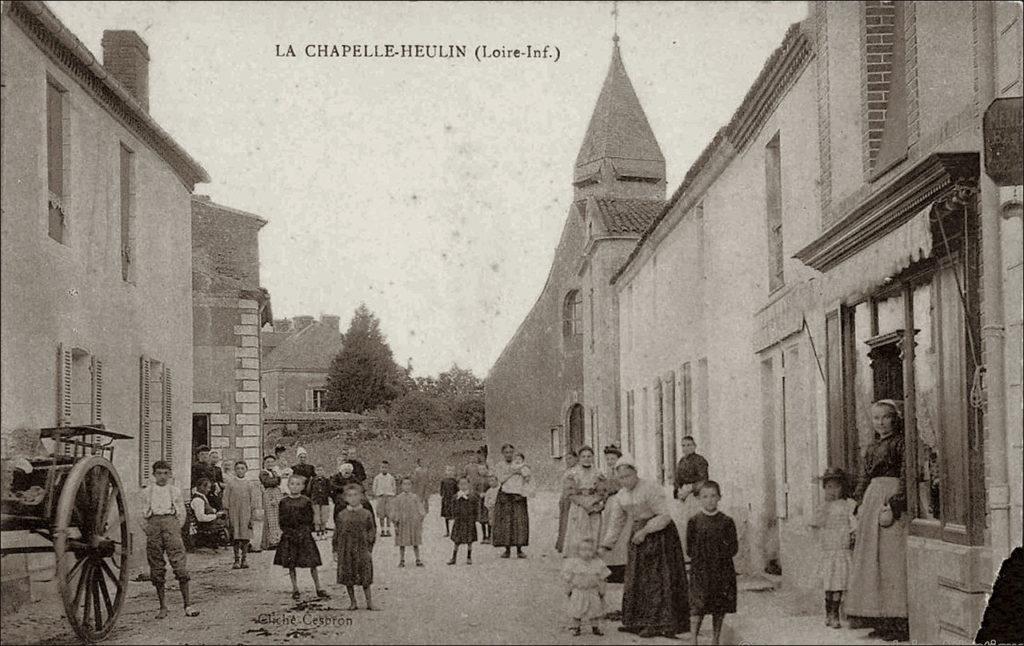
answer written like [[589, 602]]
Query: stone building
[[95, 262], [554, 386], [229, 308], [295, 369], [838, 243]]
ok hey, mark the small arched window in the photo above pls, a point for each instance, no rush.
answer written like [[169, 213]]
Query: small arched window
[[572, 314]]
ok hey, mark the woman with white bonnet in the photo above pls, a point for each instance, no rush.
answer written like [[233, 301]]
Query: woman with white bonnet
[[654, 597], [878, 579]]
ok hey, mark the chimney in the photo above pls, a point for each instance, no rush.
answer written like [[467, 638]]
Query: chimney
[[303, 322], [331, 321], [126, 57]]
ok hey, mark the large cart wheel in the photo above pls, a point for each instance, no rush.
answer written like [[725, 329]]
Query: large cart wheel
[[91, 547]]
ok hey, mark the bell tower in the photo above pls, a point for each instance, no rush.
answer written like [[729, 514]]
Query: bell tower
[[620, 157]]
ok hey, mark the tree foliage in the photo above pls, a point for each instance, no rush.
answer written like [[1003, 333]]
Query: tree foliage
[[363, 375]]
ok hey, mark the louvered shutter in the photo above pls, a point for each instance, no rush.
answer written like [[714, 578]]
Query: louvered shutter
[[97, 391], [166, 423], [65, 367], [309, 399], [144, 426]]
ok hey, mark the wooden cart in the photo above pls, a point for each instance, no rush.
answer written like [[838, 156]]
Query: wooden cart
[[83, 517]]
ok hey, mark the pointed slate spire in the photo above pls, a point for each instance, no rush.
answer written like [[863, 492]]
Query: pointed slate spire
[[619, 134]]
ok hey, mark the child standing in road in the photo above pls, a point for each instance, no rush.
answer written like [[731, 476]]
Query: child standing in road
[[585, 583], [164, 511], [297, 549], [835, 522], [465, 510], [449, 487], [354, 535], [491, 497], [711, 543], [384, 491], [407, 511], [320, 495]]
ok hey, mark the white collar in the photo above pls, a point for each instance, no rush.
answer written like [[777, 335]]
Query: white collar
[[709, 513], [462, 494]]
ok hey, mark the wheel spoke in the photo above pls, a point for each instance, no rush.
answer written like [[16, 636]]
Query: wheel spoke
[[106, 570], [81, 584], [102, 581], [87, 606], [97, 582]]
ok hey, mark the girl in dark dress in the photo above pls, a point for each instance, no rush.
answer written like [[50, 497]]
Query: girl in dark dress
[[449, 487], [354, 534], [297, 547], [465, 509], [711, 543]]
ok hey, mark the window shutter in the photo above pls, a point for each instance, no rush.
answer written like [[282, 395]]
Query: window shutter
[[144, 426], [166, 423], [65, 364], [309, 400], [97, 391]]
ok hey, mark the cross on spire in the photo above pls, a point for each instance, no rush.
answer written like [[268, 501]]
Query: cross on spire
[[615, 18]]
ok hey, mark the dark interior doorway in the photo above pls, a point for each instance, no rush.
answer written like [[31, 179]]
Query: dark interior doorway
[[575, 427], [200, 430]]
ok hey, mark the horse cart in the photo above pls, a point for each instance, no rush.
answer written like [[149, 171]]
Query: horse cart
[[73, 500]]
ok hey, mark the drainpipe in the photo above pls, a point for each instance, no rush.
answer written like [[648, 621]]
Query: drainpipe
[[993, 325]]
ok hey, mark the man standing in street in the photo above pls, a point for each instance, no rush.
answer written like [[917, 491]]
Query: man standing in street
[[691, 471]]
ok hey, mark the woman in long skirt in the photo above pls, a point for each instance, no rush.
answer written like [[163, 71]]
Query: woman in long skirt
[[511, 515], [563, 502], [654, 599], [586, 502], [271, 483], [878, 581]]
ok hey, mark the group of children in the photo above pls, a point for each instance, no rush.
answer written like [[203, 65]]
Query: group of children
[[710, 537]]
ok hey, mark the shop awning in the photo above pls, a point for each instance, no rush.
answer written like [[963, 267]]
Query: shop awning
[[889, 230]]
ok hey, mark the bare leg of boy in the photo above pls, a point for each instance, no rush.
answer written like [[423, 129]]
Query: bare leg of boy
[[369, 597], [696, 620], [351, 589]]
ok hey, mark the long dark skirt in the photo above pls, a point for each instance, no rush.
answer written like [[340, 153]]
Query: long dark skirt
[[511, 521], [655, 591]]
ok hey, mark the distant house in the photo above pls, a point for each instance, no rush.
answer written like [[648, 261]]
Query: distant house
[[229, 307], [295, 367]]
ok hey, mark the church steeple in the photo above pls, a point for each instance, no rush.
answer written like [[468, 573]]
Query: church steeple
[[620, 157]]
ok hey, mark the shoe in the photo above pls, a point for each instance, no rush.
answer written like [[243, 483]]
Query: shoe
[[575, 631], [451, 562], [296, 595], [236, 565], [469, 560], [649, 632], [627, 629], [520, 555], [505, 555], [598, 631], [322, 594], [243, 566], [401, 564], [419, 563]]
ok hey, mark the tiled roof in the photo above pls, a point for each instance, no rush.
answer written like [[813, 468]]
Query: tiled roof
[[624, 216], [618, 127], [310, 349]]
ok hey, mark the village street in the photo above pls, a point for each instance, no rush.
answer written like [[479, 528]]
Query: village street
[[494, 600]]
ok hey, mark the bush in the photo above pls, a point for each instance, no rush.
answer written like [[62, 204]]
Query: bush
[[468, 412], [416, 411]]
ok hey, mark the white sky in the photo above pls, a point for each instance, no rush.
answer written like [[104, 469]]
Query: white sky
[[433, 191]]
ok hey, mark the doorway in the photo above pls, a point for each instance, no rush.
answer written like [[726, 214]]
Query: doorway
[[200, 431], [575, 427]]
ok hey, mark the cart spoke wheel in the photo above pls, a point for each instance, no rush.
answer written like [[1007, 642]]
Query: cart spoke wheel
[[91, 530]]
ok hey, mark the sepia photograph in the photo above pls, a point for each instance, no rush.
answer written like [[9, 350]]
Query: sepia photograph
[[511, 322]]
